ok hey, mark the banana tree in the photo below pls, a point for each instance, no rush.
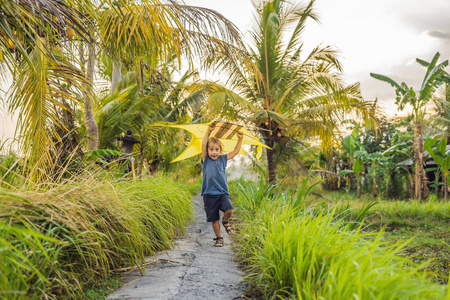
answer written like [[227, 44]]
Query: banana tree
[[356, 155], [374, 159], [442, 157], [391, 166], [350, 146], [441, 117], [357, 168], [434, 77]]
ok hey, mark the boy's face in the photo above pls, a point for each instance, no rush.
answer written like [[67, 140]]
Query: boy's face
[[214, 151]]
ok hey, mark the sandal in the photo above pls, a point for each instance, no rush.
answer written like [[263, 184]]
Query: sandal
[[228, 227], [219, 242]]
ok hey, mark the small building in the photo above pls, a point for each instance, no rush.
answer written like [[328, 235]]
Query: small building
[[430, 165]]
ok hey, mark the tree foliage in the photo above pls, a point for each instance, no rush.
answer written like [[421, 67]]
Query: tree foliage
[[287, 95]]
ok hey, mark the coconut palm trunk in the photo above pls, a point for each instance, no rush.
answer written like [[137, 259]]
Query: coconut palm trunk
[[272, 166], [91, 125], [116, 74], [270, 158]]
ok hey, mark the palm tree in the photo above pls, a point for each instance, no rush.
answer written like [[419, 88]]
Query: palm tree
[[285, 95], [150, 32], [31, 35], [163, 100], [434, 77], [24, 23], [123, 30]]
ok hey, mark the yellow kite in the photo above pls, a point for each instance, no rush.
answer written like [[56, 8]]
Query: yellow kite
[[224, 131]]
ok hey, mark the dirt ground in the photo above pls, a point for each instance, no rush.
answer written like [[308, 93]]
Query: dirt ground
[[194, 269]]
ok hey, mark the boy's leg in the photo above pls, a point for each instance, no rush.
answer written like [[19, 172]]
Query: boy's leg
[[219, 238], [227, 208], [227, 215], [225, 221], [216, 228], [212, 206]]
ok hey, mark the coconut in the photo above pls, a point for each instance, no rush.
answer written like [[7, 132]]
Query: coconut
[[70, 33], [11, 44]]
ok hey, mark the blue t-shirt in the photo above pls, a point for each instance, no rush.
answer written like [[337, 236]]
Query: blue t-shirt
[[214, 176]]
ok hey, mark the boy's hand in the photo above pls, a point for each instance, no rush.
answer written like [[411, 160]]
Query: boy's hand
[[240, 135], [211, 127]]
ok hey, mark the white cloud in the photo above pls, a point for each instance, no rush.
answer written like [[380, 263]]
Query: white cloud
[[381, 36]]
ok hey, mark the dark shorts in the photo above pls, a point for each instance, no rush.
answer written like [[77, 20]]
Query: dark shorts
[[214, 203]]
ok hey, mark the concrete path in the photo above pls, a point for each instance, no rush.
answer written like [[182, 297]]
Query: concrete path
[[194, 269]]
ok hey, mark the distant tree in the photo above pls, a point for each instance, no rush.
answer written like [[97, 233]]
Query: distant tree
[[441, 118], [434, 77]]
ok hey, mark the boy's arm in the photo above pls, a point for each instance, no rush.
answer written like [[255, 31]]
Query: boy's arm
[[205, 140], [237, 148]]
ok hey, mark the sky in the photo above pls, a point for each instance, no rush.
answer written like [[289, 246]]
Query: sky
[[383, 36]]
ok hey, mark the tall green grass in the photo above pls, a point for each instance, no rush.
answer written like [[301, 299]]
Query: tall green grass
[[301, 252], [62, 240], [27, 257], [418, 210]]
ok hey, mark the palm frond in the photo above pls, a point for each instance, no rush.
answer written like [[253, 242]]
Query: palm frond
[[36, 95], [150, 29], [225, 102], [386, 79], [262, 115], [430, 83], [23, 23], [300, 15]]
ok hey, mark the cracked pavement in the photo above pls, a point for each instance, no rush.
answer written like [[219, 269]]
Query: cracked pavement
[[193, 269]]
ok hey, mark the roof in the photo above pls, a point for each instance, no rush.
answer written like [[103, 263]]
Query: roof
[[429, 161]]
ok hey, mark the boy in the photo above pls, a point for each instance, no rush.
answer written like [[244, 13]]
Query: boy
[[215, 185]]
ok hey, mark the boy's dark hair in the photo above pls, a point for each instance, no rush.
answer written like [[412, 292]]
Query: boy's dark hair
[[214, 140]]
